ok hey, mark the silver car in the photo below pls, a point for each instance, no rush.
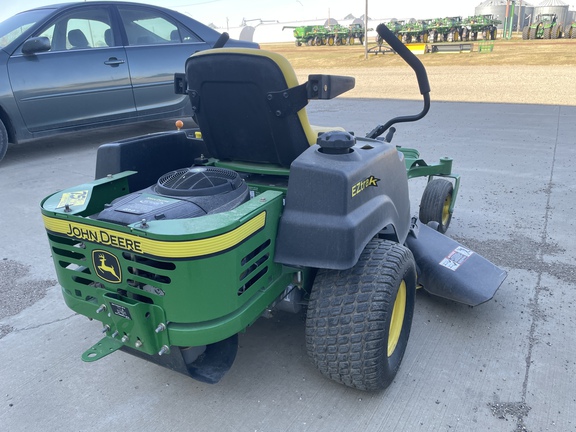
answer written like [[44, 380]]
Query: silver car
[[82, 65]]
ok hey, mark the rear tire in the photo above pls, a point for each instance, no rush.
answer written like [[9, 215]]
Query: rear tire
[[3, 140], [435, 203], [525, 34], [359, 320]]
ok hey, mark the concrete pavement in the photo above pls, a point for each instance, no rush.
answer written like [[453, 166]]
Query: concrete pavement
[[508, 365]]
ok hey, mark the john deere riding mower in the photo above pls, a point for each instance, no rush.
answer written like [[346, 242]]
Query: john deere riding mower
[[187, 237]]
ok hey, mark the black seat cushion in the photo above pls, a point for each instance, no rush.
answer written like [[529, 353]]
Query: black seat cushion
[[229, 88]]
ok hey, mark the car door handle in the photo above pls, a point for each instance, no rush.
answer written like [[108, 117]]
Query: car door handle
[[114, 62]]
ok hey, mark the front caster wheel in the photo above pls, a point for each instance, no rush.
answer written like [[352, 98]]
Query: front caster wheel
[[359, 319], [435, 203]]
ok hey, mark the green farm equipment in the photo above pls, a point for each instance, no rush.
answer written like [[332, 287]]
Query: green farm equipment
[[479, 27], [444, 29], [355, 31], [543, 27], [394, 26], [414, 31], [187, 237], [332, 35], [337, 35], [570, 31], [309, 35]]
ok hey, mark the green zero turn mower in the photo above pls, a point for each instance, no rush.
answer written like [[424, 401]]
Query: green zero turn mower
[[187, 237]]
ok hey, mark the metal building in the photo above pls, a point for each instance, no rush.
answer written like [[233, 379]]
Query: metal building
[[525, 12], [557, 7], [496, 8]]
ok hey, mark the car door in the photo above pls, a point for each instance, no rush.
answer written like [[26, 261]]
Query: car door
[[157, 47], [83, 79]]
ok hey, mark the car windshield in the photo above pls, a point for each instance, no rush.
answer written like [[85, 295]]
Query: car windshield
[[14, 26]]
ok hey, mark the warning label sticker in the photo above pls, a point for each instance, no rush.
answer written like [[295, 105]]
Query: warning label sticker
[[121, 311], [72, 199], [456, 258]]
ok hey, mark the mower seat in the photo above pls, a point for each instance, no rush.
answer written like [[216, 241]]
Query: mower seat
[[249, 106]]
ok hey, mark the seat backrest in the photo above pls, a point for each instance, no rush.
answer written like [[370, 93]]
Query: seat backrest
[[77, 39], [232, 92], [108, 37]]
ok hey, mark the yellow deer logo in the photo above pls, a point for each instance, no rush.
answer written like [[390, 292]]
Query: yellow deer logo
[[108, 268]]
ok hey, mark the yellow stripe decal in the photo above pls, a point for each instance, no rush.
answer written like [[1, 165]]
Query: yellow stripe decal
[[158, 248]]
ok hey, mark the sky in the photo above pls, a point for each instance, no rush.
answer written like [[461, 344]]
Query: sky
[[231, 13]]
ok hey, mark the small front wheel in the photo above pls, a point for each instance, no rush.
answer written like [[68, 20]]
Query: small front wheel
[[436, 202], [359, 320]]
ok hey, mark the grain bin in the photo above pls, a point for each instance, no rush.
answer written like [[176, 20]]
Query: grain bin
[[557, 7], [525, 14], [496, 8]]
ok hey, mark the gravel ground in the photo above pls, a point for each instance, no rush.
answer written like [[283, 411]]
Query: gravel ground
[[499, 84], [18, 291]]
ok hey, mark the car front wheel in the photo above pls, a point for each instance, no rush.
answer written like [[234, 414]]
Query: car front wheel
[[3, 140]]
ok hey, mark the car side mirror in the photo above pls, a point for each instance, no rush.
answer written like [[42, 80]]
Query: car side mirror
[[36, 45]]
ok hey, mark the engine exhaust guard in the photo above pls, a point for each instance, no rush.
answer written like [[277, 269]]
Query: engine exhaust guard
[[449, 270]]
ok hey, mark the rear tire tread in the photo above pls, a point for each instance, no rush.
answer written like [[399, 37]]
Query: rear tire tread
[[348, 315]]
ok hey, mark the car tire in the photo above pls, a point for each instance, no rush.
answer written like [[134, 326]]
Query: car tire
[[3, 140]]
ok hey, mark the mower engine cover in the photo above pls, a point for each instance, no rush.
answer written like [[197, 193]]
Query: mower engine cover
[[180, 194]]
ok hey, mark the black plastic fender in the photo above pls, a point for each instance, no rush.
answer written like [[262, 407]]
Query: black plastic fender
[[338, 200]]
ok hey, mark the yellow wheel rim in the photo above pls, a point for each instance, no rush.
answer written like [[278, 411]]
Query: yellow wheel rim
[[446, 210], [397, 319]]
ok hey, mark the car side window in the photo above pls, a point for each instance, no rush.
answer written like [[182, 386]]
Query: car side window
[[86, 33], [49, 33], [150, 27], [83, 29]]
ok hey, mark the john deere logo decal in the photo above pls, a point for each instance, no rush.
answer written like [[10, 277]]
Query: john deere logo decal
[[107, 266]]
